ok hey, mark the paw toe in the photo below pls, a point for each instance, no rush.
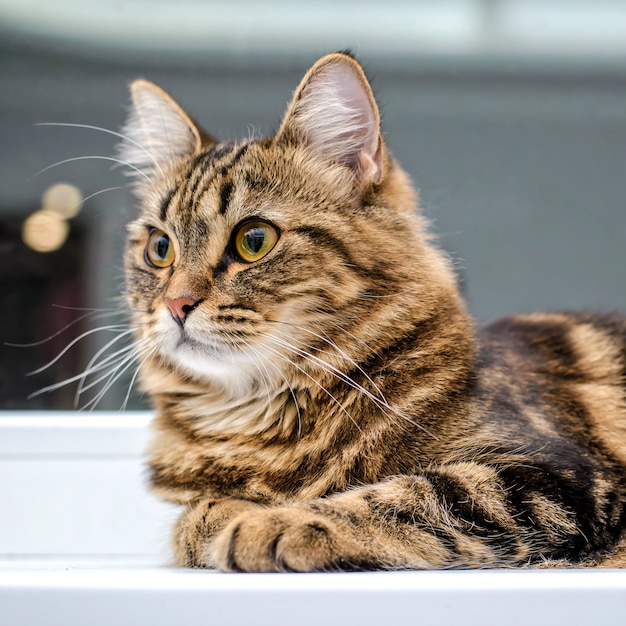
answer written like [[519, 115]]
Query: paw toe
[[274, 541]]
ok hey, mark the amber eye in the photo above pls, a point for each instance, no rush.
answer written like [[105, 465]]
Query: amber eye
[[253, 240], [159, 251]]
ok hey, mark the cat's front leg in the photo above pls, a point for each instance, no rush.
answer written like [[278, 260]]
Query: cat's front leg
[[200, 523], [342, 533], [453, 516], [384, 526]]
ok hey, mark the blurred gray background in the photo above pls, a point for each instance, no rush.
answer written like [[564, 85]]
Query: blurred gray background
[[509, 115]]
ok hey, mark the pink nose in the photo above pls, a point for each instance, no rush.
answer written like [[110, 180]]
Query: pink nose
[[179, 308]]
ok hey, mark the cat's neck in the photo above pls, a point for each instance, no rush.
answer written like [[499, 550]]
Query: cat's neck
[[210, 409]]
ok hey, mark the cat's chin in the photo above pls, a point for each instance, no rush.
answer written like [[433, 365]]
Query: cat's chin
[[202, 355], [231, 369]]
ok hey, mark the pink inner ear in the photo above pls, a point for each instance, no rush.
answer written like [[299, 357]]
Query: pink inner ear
[[339, 119], [358, 99], [352, 92]]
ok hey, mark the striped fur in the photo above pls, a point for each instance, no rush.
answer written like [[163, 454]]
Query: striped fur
[[331, 406]]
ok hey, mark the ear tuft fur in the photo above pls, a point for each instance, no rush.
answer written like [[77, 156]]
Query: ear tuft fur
[[157, 131]]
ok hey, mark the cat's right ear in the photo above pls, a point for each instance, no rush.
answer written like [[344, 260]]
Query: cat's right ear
[[334, 113], [157, 131]]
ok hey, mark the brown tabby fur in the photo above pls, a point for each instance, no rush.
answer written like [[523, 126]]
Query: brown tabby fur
[[358, 419]]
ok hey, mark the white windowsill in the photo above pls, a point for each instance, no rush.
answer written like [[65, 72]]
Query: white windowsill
[[81, 542]]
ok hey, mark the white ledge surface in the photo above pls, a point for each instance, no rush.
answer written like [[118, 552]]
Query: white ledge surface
[[71, 593]]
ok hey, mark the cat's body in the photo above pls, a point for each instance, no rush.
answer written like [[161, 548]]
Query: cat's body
[[323, 400]]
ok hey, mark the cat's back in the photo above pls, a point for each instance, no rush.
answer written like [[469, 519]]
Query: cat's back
[[572, 346], [558, 376]]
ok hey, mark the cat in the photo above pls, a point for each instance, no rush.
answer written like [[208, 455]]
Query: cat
[[323, 400]]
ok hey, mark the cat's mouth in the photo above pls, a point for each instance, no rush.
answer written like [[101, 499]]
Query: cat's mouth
[[209, 347]]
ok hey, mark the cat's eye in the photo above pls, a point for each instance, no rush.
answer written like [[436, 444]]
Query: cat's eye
[[159, 251], [253, 240]]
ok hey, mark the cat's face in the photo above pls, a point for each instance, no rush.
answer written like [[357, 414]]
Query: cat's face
[[251, 259], [225, 275]]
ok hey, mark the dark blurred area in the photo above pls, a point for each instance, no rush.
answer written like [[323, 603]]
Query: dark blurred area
[[517, 145]]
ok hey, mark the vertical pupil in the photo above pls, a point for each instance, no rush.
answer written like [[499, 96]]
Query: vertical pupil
[[163, 245], [255, 238]]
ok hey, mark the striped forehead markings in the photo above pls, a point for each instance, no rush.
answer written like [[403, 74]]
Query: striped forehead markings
[[166, 202], [199, 169], [194, 176], [225, 193], [235, 153]]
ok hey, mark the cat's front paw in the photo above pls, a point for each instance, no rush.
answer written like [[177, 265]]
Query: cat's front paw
[[199, 524], [284, 539]]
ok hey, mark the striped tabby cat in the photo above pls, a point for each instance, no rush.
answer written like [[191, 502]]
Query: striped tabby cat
[[323, 399]]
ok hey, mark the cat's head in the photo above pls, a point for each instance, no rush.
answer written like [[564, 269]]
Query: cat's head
[[260, 260]]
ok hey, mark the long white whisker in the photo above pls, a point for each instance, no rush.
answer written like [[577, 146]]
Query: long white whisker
[[380, 400], [328, 393], [132, 381], [34, 344], [72, 343], [90, 309], [119, 371], [123, 361], [55, 386], [120, 355], [108, 132], [291, 391], [261, 363], [258, 364], [98, 157], [94, 194], [84, 374], [341, 352], [330, 369], [67, 381], [95, 358]]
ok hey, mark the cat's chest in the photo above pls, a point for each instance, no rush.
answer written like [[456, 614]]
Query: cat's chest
[[205, 453], [185, 468]]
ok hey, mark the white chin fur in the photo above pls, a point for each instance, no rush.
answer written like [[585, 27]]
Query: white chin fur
[[235, 370]]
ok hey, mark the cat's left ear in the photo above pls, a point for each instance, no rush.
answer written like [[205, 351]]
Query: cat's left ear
[[157, 130], [334, 112]]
